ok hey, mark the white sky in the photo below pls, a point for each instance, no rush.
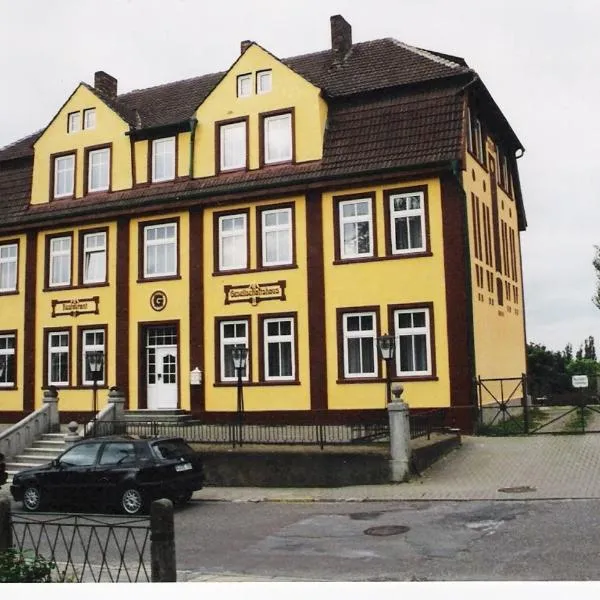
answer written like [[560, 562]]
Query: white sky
[[540, 59]]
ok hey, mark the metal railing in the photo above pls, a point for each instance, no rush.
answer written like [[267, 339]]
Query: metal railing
[[424, 423], [21, 435]]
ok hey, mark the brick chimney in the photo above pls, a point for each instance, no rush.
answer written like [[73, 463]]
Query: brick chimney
[[245, 45], [341, 38], [106, 84]]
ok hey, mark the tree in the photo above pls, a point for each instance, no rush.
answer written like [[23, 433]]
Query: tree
[[589, 350], [568, 352], [596, 263], [547, 370]]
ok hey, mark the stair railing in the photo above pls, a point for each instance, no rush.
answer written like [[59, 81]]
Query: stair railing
[[22, 434]]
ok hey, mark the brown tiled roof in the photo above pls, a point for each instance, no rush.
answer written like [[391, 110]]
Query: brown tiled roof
[[20, 148], [15, 188]]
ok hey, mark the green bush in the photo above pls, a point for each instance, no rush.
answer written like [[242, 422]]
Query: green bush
[[24, 567]]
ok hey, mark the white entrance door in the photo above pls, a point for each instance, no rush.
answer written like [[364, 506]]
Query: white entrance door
[[162, 377]]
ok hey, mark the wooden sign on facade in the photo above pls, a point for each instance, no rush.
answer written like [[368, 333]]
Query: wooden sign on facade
[[255, 292], [72, 308]]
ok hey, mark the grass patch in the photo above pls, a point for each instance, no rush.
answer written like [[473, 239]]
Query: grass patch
[[578, 421], [512, 425]]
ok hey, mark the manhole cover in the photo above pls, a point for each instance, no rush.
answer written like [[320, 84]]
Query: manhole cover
[[384, 530], [364, 516], [519, 489]]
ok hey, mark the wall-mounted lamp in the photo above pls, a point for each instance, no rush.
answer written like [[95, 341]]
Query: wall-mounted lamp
[[196, 376]]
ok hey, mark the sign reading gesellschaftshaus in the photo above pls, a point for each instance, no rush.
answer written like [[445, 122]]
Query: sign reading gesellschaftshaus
[[255, 292], [72, 308]]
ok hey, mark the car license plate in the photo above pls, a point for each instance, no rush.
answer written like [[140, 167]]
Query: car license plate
[[183, 467]]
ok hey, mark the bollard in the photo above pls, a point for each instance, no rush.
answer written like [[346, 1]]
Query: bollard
[[400, 451], [5, 525], [162, 541]]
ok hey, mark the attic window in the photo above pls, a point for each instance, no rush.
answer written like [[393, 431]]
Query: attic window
[[73, 122], [263, 82], [89, 118], [244, 85]]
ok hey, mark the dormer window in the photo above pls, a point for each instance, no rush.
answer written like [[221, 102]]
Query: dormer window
[[244, 85], [89, 118], [64, 175], [163, 159], [73, 122], [263, 82]]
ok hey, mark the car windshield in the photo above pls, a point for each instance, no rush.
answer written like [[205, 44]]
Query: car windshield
[[169, 449]]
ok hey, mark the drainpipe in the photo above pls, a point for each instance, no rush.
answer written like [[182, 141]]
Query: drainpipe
[[193, 123]]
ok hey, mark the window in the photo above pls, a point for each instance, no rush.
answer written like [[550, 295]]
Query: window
[[264, 82], [94, 257], [163, 159], [356, 228], [118, 453], [58, 358], [8, 267], [7, 359], [407, 220], [64, 175], [160, 250], [278, 349], [244, 85], [413, 349], [83, 455], [92, 340], [276, 237], [360, 351], [98, 170], [73, 122], [89, 118], [277, 138], [232, 334], [60, 261], [233, 245], [233, 146]]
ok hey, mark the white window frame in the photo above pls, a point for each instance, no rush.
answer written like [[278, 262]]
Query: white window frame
[[277, 230], [63, 349], [74, 122], [89, 118], [100, 160], [238, 234], [58, 254], [262, 77], [360, 334], [64, 164], [413, 331], [279, 339], [242, 340], [287, 156], [163, 156], [238, 164], [354, 220], [166, 242], [6, 352], [242, 81], [89, 252], [9, 262], [92, 347], [407, 214]]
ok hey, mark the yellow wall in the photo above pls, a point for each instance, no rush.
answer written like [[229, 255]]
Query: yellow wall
[[110, 128]]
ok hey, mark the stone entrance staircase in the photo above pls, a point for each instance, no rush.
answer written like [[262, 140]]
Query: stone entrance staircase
[[48, 447]]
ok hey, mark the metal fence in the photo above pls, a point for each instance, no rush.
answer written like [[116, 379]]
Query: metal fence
[[426, 422]]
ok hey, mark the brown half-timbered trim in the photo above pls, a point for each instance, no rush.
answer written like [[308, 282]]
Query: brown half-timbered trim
[[81, 329], [86, 168], [315, 276], [53, 158], [47, 332], [337, 232], [340, 312], [122, 308], [81, 260], [196, 307], [388, 221], [217, 350], [12, 242], [142, 278], [29, 326], [14, 333], [48, 238], [217, 245], [392, 308], [150, 176], [262, 138], [133, 163], [218, 125], [259, 235], [261, 348]]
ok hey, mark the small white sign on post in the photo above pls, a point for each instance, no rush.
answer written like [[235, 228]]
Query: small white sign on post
[[579, 381]]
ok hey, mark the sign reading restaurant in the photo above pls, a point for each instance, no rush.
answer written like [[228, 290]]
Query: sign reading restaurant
[[255, 292], [72, 308]]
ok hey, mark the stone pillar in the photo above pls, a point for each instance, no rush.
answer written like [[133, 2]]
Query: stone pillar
[[5, 525], [51, 399], [72, 437], [162, 541], [117, 398], [399, 436]]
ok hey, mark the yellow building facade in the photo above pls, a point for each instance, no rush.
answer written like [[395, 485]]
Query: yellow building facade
[[300, 208]]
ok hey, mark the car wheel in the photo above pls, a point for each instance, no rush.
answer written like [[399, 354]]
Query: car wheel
[[182, 498], [132, 501], [32, 498]]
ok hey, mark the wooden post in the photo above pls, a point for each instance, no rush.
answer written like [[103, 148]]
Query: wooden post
[[5, 525], [162, 541]]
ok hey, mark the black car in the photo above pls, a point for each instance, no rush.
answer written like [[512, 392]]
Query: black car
[[3, 473], [117, 472]]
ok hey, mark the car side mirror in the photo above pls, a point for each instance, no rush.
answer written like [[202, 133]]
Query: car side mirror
[[55, 463]]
